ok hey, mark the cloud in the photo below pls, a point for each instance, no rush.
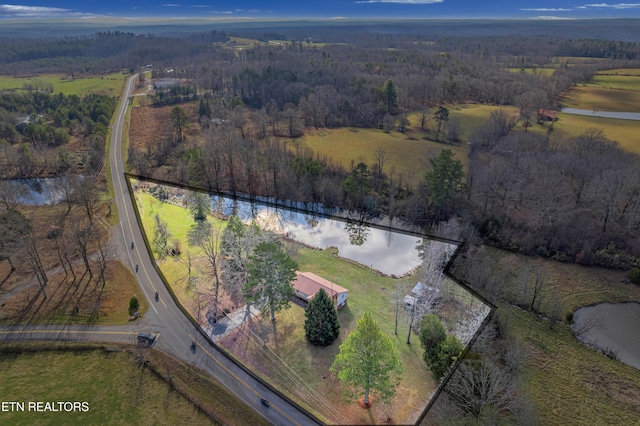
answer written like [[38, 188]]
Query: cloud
[[552, 18], [222, 12], [170, 5], [201, 5], [546, 9], [20, 11], [612, 6], [401, 1]]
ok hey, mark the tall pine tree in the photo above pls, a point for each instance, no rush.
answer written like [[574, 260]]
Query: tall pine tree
[[321, 326]]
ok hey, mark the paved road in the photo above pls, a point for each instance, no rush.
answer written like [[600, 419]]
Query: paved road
[[175, 331]]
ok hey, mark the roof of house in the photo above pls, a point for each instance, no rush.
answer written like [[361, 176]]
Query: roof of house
[[546, 113], [309, 284]]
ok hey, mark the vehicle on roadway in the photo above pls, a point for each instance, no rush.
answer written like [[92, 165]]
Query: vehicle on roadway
[[264, 402]]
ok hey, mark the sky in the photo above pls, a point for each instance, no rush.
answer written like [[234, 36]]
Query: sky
[[352, 9]]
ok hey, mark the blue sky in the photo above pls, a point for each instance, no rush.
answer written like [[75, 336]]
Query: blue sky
[[534, 9]]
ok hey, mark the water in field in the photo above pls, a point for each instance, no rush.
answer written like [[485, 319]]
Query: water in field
[[613, 328]]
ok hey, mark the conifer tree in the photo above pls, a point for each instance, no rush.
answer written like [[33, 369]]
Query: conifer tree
[[321, 326]]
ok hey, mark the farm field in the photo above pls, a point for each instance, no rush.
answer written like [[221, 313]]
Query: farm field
[[599, 98], [118, 389], [620, 71], [626, 132], [408, 152], [618, 82], [110, 84]]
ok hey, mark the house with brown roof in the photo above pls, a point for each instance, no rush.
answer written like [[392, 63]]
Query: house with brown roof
[[307, 284], [546, 115]]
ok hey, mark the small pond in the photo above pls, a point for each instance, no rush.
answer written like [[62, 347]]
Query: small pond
[[387, 251], [40, 191], [613, 328], [603, 114]]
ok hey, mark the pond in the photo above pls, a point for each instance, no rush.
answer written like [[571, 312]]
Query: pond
[[613, 328], [40, 191], [603, 114], [385, 250]]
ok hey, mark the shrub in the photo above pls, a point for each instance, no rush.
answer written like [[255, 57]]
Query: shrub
[[134, 304], [634, 275]]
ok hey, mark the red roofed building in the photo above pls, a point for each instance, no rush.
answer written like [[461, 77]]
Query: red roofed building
[[307, 285], [546, 115]]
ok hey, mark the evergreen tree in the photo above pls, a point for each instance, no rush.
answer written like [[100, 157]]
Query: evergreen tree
[[321, 326], [445, 179], [271, 271]]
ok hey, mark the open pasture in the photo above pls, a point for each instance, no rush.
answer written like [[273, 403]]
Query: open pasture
[[599, 98], [620, 71], [405, 152], [110, 84], [626, 132], [620, 82]]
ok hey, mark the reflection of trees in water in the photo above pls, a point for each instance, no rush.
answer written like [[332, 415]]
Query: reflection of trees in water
[[312, 221], [358, 232]]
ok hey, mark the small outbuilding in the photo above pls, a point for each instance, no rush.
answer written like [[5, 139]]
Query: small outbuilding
[[307, 284], [546, 115]]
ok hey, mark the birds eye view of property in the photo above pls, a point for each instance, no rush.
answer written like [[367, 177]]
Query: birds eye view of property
[[381, 212]]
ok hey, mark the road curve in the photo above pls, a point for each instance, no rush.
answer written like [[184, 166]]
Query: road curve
[[164, 318]]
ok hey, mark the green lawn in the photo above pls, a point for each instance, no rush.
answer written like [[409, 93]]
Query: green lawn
[[118, 389], [110, 84]]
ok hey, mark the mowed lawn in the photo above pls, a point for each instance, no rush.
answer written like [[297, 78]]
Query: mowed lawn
[[110, 84], [179, 220], [368, 292]]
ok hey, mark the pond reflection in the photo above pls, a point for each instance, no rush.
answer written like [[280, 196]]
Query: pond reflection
[[387, 251]]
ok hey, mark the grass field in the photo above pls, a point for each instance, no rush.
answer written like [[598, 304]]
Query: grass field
[[619, 82], [620, 71], [570, 383], [405, 152], [598, 98], [118, 389], [626, 132], [110, 84]]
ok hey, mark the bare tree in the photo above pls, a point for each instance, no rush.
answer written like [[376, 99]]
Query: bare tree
[[475, 387], [35, 262], [210, 246], [12, 194]]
